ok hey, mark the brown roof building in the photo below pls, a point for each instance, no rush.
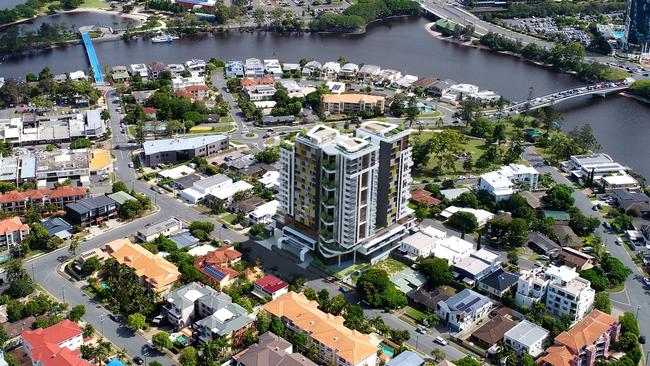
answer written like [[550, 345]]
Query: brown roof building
[[492, 332], [60, 197], [424, 197], [581, 345], [215, 266], [271, 350], [344, 103], [575, 259], [566, 236]]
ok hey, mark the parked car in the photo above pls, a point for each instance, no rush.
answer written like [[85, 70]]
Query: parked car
[[138, 360], [440, 341], [642, 339], [619, 241], [131, 165], [646, 281], [344, 289]]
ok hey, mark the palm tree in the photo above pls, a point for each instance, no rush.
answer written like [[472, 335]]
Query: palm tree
[[74, 245], [438, 354]]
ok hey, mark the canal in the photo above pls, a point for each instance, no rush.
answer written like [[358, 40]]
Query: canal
[[619, 123]]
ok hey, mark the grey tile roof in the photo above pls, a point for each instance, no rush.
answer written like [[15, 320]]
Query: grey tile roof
[[185, 296], [526, 332], [212, 181], [500, 280], [226, 319], [406, 358], [270, 350], [184, 239], [89, 204], [155, 228], [466, 301], [178, 144]]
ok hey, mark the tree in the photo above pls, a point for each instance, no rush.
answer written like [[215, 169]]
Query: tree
[[277, 327], [105, 115], [464, 221], [81, 143], [262, 322], [375, 287], [437, 271], [513, 256], [6, 187], [438, 354], [90, 266], [601, 302], [467, 361], [20, 288], [120, 186], [466, 199], [76, 313], [629, 323], [559, 197], [73, 247], [517, 232], [188, 356], [136, 321], [269, 155], [161, 340]]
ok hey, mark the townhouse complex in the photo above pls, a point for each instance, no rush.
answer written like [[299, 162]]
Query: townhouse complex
[[342, 195]]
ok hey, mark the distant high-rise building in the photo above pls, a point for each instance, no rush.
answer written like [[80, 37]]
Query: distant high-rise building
[[342, 194], [637, 26]]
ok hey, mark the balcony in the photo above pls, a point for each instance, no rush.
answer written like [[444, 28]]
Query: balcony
[[327, 219], [328, 184], [329, 166]]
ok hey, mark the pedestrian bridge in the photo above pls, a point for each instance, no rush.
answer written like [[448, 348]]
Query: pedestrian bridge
[[92, 58], [600, 90]]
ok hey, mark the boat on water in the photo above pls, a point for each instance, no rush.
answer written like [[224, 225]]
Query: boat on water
[[162, 38]]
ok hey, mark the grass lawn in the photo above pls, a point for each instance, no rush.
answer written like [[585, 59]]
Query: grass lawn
[[270, 141], [226, 119], [215, 129], [390, 265], [448, 290], [98, 4], [344, 272], [235, 142], [249, 135], [132, 130], [432, 115], [414, 314], [228, 219]]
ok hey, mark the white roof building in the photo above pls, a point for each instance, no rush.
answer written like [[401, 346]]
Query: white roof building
[[77, 75], [335, 87], [466, 89], [294, 90], [272, 67], [482, 216], [431, 241], [600, 164], [176, 172], [502, 183], [270, 179], [405, 82], [263, 214], [349, 70], [140, 69], [526, 337], [180, 82], [331, 68], [210, 185], [195, 66]]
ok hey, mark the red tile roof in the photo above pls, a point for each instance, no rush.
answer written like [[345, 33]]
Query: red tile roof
[[425, 197], [12, 224], [38, 194], [221, 256], [192, 88], [149, 110], [271, 284], [46, 345], [260, 81]]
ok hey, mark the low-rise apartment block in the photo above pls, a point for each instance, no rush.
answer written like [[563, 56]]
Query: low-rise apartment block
[[165, 228], [337, 344], [430, 241], [60, 197], [503, 183], [347, 103], [57, 345], [215, 266], [526, 337], [561, 289], [155, 273], [271, 350], [183, 149], [476, 266], [91, 211], [31, 129], [235, 69], [586, 342], [12, 232]]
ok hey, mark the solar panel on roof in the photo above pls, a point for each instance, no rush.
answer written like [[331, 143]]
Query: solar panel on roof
[[214, 272]]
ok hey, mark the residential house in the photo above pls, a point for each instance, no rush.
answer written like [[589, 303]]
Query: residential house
[[424, 197], [430, 241], [464, 309], [335, 87], [368, 73], [121, 197], [186, 181], [453, 193], [165, 228], [349, 71], [406, 358], [476, 266], [631, 200], [184, 239], [575, 259], [219, 186], [272, 67], [156, 69], [503, 183], [617, 181], [246, 206], [254, 68], [12, 232], [57, 345], [541, 243], [77, 75], [196, 67], [311, 68], [294, 90], [260, 92], [585, 342], [345, 103], [263, 214], [120, 74], [182, 149], [91, 211], [180, 305], [405, 82], [498, 282], [270, 286], [176, 69], [221, 318], [57, 226], [270, 179], [440, 88], [424, 83], [337, 344], [492, 331], [526, 337], [271, 350], [215, 266], [482, 216], [388, 76], [561, 289], [60, 197], [194, 92], [154, 272], [235, 69], [140, 69], [331, 70], [565, 235], [182, 82]]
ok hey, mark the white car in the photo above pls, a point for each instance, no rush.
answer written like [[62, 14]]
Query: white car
[[440, 341], [131, 165]]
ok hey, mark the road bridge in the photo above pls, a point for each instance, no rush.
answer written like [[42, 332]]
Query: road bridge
[[92, 58], [601, 90]]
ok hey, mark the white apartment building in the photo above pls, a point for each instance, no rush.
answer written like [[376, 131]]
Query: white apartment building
[[331, 70], [561, 289], [294, 90], [272, 67], [526, 337], [140, 69], [204, 187], [196, 67], [332, 193], [260, 92], [503, 183], [431, 241], [600, 164], [254, 68]]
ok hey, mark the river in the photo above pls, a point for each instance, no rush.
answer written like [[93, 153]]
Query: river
[[619, 123], [10, 4], [75, 20]]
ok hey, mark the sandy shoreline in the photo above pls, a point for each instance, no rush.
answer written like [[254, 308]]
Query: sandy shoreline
[[140, 17]]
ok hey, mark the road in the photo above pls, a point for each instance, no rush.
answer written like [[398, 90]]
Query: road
[[635, 294]]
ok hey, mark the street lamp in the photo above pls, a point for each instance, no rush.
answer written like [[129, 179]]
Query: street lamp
[[417, 340], [504, 360], [101, 321], [63, 293], [646, 358], [637, 311]]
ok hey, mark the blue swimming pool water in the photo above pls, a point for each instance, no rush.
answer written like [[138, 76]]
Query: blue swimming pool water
[[386, 349], [5, 257], [619, 34]]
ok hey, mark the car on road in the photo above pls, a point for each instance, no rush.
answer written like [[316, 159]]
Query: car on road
[[344, 289], [138, 360], [131, 165], [115, 318], [227, 242], [619, 241], [440, 341], [642, 339], [543, 257], [88, 237]]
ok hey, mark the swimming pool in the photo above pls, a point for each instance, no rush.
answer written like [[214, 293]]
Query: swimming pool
[[386, 349], [619, 35]]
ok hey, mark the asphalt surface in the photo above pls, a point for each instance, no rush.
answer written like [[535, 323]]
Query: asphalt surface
[[635, 295]]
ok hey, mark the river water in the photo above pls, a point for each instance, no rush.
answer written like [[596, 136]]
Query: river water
[[622, 125], [10, 4]]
